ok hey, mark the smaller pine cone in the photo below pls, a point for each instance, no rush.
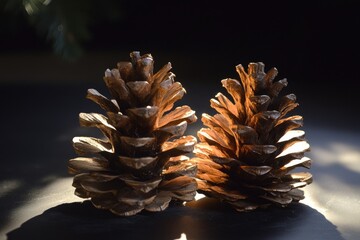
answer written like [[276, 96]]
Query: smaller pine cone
[[246, 155], [140, 163]]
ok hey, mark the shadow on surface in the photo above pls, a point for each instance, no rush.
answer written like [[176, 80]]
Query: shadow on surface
[[204, 219]]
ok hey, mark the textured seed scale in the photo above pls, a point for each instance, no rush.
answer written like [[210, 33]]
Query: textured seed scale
[[247, 153], [140, 163]]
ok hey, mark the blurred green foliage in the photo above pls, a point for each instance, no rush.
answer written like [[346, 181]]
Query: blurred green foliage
[[65, 23]]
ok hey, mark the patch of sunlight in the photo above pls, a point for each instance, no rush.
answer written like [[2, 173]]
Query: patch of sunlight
[[341, 201], [57, 192], [8, 186], [199, 196], [338, 153], [348, 155], [311, 199], [182, 237]]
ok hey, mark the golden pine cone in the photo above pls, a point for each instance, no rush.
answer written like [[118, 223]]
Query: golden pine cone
[[246, 155], [140, 163]]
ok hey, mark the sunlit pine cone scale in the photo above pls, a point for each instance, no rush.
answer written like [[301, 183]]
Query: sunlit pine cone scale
[[140, 163], [247, 153]]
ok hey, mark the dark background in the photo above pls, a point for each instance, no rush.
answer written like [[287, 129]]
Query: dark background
[[312, 43]]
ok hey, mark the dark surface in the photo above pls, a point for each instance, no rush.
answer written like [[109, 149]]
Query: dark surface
[[206, 220]]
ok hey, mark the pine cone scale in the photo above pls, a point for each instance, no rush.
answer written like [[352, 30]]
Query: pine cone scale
[[102, 101], [84, 164]]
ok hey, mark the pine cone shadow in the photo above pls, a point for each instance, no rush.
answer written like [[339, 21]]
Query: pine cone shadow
[[205, 219]]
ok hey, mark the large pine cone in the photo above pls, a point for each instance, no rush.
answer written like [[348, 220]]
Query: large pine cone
[[139, 165], [250, 147]]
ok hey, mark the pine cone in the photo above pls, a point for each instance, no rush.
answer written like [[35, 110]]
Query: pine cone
[[139, 165], [246, 154]]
